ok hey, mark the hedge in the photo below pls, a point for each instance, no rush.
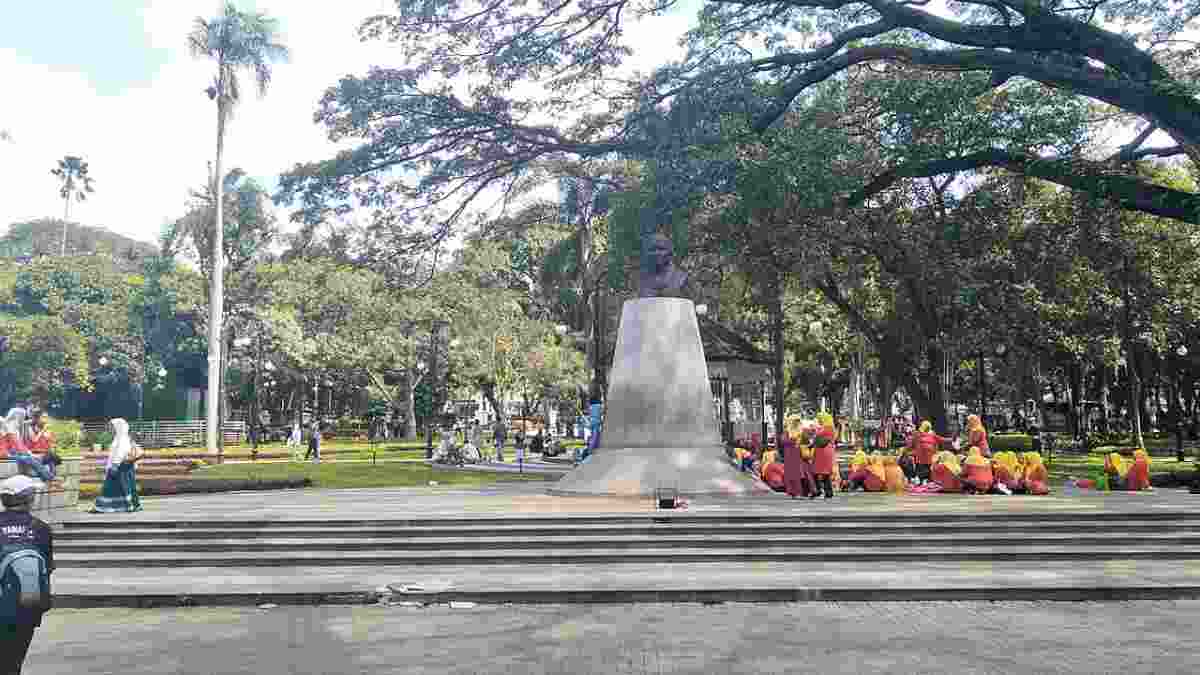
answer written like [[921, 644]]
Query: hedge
[[1010, 442]]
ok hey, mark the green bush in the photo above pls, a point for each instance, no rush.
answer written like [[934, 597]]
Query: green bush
[[101, 438], [66, 435], [1010, 443]]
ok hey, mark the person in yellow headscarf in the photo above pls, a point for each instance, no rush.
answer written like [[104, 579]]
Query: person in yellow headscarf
[[1006, 470], [893, 475], [1036, 478], [946, 471], [1116, 468], [769, 456], [858, 472], [876, 480], [977, 435], [1138, 476], [825, 454], [924, 444], [977, 472]]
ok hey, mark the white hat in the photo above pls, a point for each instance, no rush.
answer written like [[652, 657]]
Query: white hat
[[21, 487]]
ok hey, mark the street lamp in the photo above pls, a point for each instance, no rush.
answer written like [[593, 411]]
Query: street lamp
[[437, 331], [103, 361]]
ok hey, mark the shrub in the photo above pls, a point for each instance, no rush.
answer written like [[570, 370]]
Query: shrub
[[1010, 443], [67, 434]]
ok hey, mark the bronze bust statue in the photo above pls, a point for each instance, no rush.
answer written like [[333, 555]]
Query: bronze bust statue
[[666, 280]]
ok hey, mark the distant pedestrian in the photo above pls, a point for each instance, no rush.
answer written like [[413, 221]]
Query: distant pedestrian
[[500, 437], [26, 562], [314, 442]]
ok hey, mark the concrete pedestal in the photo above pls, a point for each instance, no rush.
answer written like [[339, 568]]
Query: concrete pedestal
[[659, 430], [56, 500]]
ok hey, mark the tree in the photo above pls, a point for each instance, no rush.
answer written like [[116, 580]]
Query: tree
[[454, 144], [236, 41], [72, 172], [41, 237]]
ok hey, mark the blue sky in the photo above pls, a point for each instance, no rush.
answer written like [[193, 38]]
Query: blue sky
[[113, 82], [104, 39]]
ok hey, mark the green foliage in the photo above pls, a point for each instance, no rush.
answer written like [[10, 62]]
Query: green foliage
[[43, 236], [1010, 443], [67, 435], [43, 351]]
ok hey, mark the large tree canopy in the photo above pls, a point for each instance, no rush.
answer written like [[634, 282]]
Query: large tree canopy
[[486, 86]]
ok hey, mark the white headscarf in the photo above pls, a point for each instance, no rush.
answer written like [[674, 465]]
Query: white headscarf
[[119, 449], [17, 424]]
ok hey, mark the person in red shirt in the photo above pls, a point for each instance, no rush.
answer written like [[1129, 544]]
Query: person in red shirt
[[825, 454], [42, 442], [977, 435], [924, 444]]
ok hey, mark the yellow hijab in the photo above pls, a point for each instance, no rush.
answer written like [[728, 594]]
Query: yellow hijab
[[975, 457]]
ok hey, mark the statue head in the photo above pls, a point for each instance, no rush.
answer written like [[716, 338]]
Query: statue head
[[663, 251]]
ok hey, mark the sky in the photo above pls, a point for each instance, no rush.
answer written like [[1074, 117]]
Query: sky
[[112, 81]]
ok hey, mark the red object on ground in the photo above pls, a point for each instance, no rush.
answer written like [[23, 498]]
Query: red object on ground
[[1085, 483], [1038, 487]]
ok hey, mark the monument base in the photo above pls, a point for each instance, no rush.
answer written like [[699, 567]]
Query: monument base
[[638, 472], [659, 428]]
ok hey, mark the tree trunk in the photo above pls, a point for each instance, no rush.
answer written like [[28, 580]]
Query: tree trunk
[[776, 310], [66, 214], [410, 422], [217, 295]]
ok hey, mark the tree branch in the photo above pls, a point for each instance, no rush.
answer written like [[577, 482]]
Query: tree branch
[[1094, 178]]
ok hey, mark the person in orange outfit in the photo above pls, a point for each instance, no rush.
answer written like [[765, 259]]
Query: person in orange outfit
[[876, 480], [42, 442], [893, 475], [858, 472], [924, 444], [775, 475], [1036, 479], [798, 480], [1006, 470], [825, 454], [1138, 477], [946, 472], [977, 472], [977, 435]]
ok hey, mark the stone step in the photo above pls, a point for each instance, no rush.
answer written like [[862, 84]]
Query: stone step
[[822, 553], [572, 542], [829, 518], [836, 529]]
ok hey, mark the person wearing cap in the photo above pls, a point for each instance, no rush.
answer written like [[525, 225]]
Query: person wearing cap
[[20, 530]]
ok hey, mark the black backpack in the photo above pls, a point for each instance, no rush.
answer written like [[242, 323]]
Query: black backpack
[[24, 584]]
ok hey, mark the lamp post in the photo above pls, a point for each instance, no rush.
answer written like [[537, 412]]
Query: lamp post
[[436, 330]]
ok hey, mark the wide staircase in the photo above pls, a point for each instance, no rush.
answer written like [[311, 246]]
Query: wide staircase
[[663, 556]]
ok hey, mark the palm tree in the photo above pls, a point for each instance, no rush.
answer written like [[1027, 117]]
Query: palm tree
[[73, 173], [237, 41]]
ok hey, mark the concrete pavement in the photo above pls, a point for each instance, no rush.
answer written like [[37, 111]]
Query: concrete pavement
[[827, 638]]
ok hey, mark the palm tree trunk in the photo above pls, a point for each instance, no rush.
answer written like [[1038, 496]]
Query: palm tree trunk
[[66, 214], [217, 296]]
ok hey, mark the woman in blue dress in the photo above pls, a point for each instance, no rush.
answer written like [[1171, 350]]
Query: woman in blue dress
[[119, 493]]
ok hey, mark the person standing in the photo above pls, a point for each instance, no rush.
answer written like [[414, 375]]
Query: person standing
[[314, 442], [119, 492], [825, 454], [500, 438], [26, 562]]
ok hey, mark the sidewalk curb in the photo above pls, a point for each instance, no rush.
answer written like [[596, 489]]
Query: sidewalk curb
[[624, 596]]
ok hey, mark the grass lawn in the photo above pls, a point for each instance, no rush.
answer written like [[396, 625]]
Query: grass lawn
[[334, 475], [1084, 467]]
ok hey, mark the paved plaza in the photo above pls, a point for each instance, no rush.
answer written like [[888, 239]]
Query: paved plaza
[[825, 638]]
